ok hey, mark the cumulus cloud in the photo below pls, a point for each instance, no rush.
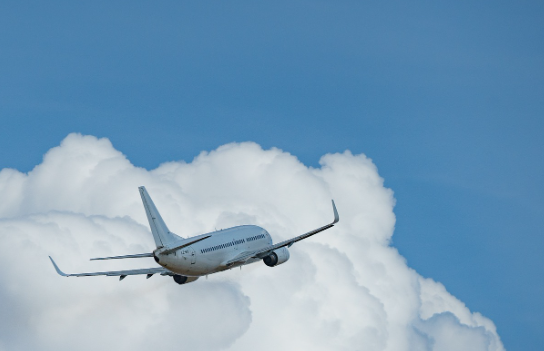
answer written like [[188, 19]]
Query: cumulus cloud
[[344, 289]]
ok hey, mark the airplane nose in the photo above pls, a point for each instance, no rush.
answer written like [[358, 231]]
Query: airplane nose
[[156, 258]]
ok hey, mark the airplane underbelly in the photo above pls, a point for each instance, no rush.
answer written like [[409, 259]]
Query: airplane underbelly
[[184, 265]]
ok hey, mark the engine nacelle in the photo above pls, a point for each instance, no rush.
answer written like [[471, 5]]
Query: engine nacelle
[[277, 257], [181, 279]]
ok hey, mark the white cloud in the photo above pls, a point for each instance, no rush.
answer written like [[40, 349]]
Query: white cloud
[[344, 289]]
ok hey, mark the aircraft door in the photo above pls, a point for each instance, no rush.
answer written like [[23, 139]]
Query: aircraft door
[[189, 254], [193, 255]]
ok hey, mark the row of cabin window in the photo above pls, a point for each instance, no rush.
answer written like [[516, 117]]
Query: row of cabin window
[[256, 237], [222, 246], [236, 242]]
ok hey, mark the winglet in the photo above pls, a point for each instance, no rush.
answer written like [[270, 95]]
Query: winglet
[[57, 268], [336, 217]]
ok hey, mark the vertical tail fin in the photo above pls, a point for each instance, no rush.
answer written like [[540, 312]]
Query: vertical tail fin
[[160, 231]]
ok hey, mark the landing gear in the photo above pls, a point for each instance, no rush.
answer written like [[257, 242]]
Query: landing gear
[[180, 279]]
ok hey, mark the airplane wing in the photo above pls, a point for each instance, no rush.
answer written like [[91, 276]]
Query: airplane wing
[[244, 256], [120, 274]]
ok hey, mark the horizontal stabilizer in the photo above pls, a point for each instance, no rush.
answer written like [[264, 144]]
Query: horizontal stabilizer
[[182, 244], [147, 271], [121, 257]]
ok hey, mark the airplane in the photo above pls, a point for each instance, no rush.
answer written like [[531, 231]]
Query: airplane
[[188, 259]]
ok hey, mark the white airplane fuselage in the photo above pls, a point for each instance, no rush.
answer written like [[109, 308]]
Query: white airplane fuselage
[[186, 259], [206, 257]]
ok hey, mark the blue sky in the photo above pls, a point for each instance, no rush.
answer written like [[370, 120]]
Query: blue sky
[[446, 98]]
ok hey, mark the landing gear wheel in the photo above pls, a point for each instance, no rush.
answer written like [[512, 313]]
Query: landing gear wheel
[[180, 279]]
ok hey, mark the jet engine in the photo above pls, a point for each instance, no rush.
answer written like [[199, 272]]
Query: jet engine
[[277, 257], [181, 279]]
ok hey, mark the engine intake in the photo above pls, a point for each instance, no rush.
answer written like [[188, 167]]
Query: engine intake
[[277, 257]]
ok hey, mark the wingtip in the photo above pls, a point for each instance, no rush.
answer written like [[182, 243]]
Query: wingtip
[[336, 217], [57, 268]]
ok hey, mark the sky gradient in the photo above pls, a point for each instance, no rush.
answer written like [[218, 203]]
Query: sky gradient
[[446, 99]]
